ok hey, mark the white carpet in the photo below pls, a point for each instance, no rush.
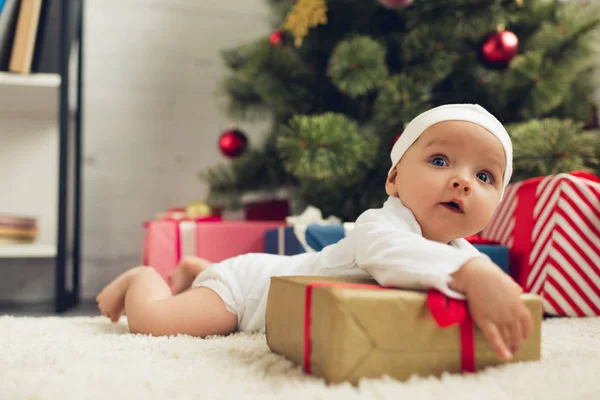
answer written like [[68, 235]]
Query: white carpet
[[89, 358]]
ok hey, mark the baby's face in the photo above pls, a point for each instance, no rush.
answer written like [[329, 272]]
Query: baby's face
[[451, 179]]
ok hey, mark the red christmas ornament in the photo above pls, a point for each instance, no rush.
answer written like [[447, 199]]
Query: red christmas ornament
[[276, 38], [233, 143], [395, 4], [499, 49]]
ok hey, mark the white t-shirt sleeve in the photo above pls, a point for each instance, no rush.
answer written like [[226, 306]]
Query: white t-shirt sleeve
[[394, 255]]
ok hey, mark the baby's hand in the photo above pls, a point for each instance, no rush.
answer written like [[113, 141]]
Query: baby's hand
[[495, 305]]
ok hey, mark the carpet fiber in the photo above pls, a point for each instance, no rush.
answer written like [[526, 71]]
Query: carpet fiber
[[89, 358]]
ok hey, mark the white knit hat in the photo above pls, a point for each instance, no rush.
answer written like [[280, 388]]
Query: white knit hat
[[454, 112]]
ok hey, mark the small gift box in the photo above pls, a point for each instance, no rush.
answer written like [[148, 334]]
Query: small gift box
[[346, 329], [307, 232], [168, 240], [267, 206], [552, 226], [284, 240]]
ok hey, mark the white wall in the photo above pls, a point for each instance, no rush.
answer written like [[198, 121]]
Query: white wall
[[151, 119]]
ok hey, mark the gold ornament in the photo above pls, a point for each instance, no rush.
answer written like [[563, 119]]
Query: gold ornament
[[520, 2], [198, 209], [305, 14]]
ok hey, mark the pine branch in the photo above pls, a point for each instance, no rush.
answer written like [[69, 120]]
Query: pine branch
[[256, 169], [469, 18], [269, 80], [325, 146], [578, 103], [238, 57], [399, 100], [244, 103], [551, 146], [223, 187], [341, 198], [357, 65]]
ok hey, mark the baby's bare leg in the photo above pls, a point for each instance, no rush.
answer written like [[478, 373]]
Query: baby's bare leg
[[151, 309], [189, 267], [111, 300]]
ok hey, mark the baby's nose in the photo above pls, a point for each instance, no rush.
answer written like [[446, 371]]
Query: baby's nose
[[461, 184]]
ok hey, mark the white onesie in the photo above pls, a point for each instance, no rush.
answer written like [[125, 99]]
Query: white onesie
[[386, 244]]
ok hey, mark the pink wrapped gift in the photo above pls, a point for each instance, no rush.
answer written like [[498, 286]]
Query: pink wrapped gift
[[168, 240], [552, 226]]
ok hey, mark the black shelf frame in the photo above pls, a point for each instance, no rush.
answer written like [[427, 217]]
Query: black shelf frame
[[68, 246]]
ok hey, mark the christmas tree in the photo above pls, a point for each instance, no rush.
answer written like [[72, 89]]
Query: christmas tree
[[339, 79]]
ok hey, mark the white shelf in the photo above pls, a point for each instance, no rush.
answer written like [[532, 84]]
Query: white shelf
[[33, 250], [30, 80]]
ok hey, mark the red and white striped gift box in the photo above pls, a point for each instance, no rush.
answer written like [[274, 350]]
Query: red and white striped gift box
[[552, 227]]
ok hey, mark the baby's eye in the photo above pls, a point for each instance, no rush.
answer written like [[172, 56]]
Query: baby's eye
[[485, 177], [439, 161]]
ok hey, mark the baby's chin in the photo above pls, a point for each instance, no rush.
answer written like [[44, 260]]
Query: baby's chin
[[446, 237]]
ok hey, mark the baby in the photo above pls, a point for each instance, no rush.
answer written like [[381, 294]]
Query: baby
[[449, 170]]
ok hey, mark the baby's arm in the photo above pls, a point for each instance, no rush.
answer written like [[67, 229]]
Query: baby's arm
[[494, 305], [396, 256]]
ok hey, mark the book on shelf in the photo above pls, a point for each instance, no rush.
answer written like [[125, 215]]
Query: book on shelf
[[25, 36], [30, 34], [18, 229]]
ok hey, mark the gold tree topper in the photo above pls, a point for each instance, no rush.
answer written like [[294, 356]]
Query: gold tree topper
[[305, 14]]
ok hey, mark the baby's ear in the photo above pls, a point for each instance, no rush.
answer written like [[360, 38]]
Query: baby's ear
[[390, 183]]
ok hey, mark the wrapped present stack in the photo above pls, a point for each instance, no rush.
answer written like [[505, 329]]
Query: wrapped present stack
[[194, 230], [552, 227], [17, 229], [346, 329]]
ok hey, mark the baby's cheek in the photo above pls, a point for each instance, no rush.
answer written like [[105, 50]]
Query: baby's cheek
[[485, 214]]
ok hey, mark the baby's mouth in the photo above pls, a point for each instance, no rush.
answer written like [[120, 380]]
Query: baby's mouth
[[453, 206]]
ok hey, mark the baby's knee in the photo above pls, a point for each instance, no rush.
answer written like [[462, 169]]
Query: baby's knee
[[145, 319], [139, 325]]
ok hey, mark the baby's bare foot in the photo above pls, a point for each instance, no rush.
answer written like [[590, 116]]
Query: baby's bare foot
[[111, 300], [182, 277]]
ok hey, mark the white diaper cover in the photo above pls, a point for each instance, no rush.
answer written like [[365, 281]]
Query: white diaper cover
[[243, 283]]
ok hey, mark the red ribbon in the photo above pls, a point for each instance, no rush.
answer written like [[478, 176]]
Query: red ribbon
[[479, 240], [210, 218], [445, 311]]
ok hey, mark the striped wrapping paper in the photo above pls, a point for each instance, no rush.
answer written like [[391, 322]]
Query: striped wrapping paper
[[552, 227]]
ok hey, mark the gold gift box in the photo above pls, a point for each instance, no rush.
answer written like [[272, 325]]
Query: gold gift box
[[360, 332]]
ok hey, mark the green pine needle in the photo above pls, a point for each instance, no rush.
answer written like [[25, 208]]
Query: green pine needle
[[325, 146], [551, 146], [357, 65], [400, 100]]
